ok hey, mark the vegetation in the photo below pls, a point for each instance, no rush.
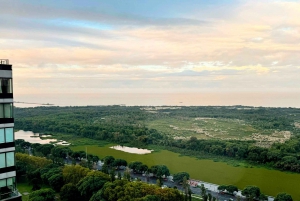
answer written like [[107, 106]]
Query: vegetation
[[283, 197], [132, 125], [178, 177], [267, 137]]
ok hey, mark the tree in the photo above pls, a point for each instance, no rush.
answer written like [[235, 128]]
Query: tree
[[112, 175], [180, 175], [119, 162], [263, 197], [126, 174], [108, 160], [36, 184], [119, 175], [151, 198], [283, 197], [56, 182], [74, 173], [160, 170], [185, 186], [251, 192], [46, 194], [69, 192], [209, 196], [134, 166], [91, 184], [159, 182], [203, 190], [231, 188], [222, 187]]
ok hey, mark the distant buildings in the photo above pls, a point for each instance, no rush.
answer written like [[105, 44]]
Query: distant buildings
[[8, 190]]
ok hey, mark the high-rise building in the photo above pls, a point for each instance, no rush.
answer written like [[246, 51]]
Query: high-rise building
[[8, 188]]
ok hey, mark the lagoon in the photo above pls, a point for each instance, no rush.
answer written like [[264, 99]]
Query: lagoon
[[32, 137], [132, 150]]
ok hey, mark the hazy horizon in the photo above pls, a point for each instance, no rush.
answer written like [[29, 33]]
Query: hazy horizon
[[256, 99]]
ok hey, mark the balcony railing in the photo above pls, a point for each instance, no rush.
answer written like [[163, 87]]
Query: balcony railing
[[4, 61], [8, 195]]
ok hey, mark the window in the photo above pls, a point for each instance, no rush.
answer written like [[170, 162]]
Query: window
[[10, 159], [2, 138], [9, 134], [7, 186], [6, 110], [5, 86], [6, 135], [7, 159], [2, 183], [2, 160]]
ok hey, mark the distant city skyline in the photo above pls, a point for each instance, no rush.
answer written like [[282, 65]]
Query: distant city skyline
[[95, 46]]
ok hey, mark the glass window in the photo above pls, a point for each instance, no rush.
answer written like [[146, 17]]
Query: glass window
[[8, 110], [9, 181], [5, 85], [2, 182], [10, 159], [2, 160], [1, 111], [9, 134], [2, 140]]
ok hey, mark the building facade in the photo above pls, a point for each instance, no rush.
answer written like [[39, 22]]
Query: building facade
[[8, 188]]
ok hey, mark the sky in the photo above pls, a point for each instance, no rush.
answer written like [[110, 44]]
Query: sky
[[134, 46]]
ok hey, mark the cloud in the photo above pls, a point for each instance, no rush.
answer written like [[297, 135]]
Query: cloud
[[241, 44]]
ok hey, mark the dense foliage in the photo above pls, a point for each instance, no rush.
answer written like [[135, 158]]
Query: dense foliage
[[80, 182], [123, 125]]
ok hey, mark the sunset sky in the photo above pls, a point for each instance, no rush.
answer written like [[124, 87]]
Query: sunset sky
[[151, 46]]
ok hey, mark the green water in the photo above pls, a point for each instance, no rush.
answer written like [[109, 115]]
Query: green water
[[270, 182]]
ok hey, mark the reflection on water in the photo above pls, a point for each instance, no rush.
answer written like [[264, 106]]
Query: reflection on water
[[32, 137], [132, 150]]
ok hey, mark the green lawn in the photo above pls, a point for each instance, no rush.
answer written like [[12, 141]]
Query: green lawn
[[270, 182], [24, 187]]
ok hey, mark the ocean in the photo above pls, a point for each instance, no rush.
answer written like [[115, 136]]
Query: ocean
[[265, 99]]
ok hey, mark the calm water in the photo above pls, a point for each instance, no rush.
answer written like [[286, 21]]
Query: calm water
[[31, 137], [132, 150], [266, 99]]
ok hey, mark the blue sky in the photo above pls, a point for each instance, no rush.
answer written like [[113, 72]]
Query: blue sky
[[153, 45]]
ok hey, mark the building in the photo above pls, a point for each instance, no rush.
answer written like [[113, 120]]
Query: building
[[8, 189]]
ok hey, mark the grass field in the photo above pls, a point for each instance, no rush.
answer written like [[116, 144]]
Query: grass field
[[24, 187], [205, 128], [270, 182]]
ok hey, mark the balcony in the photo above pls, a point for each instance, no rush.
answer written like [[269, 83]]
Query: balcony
[[11, 196]]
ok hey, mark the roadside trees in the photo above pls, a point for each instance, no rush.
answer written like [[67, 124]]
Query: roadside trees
[[251, 192], [178, 177], [108, 160], [231, 188], [119, 162], [283, 197]]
